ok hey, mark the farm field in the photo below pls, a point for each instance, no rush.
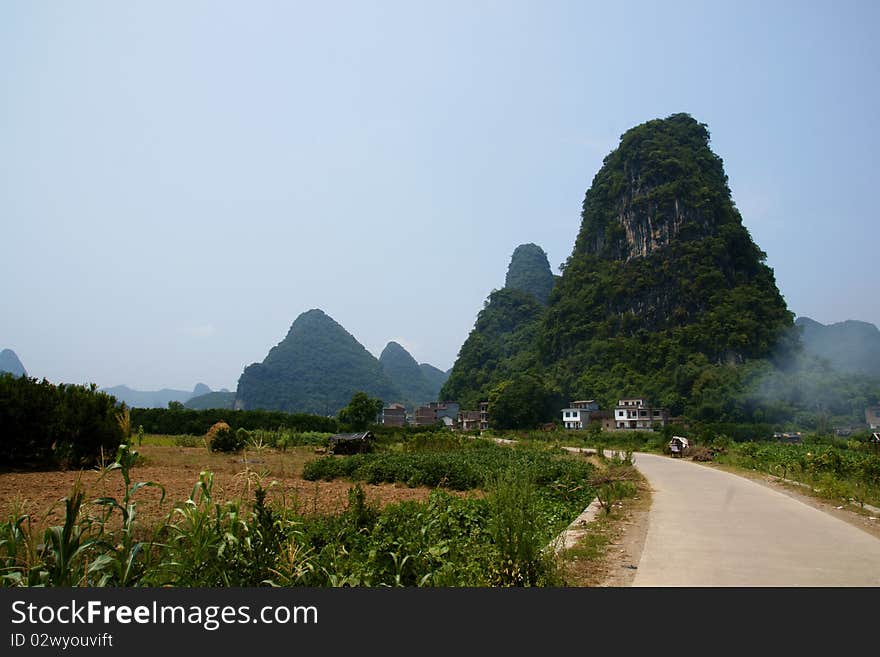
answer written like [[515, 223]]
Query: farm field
[[39, 494], [430, 511]]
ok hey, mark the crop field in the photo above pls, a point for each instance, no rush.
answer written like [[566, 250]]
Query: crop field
[[425, 512], [39, 494]]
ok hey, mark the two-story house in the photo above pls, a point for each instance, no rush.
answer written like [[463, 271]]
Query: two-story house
[[577, 416], [636, 414]]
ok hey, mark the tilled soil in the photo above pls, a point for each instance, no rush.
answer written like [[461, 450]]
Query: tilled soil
[[40, 494]]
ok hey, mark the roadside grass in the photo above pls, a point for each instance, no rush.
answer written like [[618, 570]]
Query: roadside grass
[[595, 560]]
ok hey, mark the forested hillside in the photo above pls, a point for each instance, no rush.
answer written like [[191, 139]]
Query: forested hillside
[[315, 369]]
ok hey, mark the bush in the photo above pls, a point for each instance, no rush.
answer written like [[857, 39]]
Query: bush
[[221, 438]]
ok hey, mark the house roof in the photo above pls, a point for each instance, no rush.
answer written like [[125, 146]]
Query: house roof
[[365, 435]]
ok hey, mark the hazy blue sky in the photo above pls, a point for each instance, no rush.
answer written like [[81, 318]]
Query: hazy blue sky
[[179, 180]]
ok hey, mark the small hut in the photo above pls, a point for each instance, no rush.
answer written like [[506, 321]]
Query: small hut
[[678, 444], [351, 443]]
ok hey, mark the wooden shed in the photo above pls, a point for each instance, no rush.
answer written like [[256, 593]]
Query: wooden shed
[[351, 443]]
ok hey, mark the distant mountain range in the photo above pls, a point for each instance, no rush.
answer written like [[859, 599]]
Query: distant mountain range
[[157, 398], [222, 399], [9, 362], [851, 346]]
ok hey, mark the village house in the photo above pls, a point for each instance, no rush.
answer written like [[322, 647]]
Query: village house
[[469, 420], [577, 415], [872, 417], [394, 415], [445, 413], [636, 414], [424, 417], [445, 410], [474, 420]]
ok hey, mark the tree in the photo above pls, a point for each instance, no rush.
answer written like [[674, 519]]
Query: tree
[[522, 402], [360, 412]]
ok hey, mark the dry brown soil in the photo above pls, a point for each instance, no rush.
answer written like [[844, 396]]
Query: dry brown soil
[[40, 494]]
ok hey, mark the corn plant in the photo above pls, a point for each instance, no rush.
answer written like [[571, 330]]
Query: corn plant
[[119, 564]]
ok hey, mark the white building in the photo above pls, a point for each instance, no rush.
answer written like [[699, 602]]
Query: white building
[[636, 414], [578, 415]]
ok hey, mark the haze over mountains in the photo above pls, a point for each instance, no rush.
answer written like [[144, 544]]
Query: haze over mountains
[[9, 362], [155, 398], [850, 346]]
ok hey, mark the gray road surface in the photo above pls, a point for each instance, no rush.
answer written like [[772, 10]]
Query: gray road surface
[[711, 528]]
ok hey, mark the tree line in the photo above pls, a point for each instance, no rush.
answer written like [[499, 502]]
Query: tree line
[[177, 420], [45, 424]]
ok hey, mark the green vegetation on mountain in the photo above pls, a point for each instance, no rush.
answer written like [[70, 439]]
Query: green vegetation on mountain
[[500, 345], [9, 362], [529, 271], [665, 294], [434, 376], [225, 400], [408, 376], [317, 368]]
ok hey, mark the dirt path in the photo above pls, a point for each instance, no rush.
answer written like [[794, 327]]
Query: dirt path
[[708, 527]]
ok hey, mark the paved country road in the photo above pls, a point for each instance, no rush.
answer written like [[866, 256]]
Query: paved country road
[[712, 528]]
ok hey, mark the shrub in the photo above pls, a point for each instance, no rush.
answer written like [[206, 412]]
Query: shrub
[[222, 439]]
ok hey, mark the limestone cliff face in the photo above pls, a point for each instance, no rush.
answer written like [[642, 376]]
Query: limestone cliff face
[[663, 257], [662, 182]]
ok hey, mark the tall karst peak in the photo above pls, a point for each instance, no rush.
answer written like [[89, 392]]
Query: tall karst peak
[[662, 182], [316, 368], [407, 375], [529, 271], [9, 362], [664, 296]]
